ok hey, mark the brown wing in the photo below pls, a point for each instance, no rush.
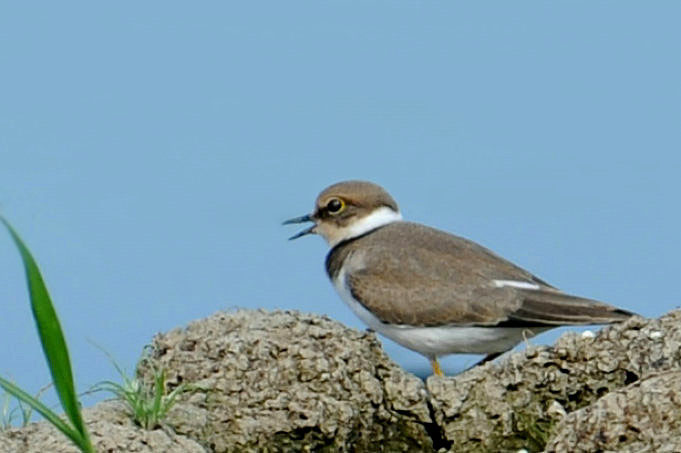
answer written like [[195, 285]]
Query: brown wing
[[557, 308], [411, 274]]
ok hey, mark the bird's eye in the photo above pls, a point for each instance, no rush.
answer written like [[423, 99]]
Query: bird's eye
[[335, 205]]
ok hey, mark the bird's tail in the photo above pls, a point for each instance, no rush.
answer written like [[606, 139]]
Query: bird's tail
[[557, 308]]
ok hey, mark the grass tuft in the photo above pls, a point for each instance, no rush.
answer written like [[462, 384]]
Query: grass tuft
[[148, 404], [22, 411]]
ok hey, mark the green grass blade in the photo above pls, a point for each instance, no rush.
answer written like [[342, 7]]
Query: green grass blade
[[45, 411], [51, 337], [159, 391], [6, 413]]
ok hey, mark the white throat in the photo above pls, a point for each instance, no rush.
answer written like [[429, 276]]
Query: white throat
[[378, 217]]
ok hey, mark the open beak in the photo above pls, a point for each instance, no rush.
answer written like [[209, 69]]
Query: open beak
[[301, 219]]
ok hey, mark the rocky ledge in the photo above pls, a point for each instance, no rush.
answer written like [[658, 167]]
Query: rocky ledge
[[289, 381]]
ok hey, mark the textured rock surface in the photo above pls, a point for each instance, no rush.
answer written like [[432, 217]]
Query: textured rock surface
[[645, 416], [287, 381], [516, 403], [7, 444], [111, 430]]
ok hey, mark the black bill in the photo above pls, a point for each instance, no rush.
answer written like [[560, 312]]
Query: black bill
[[301, 219]]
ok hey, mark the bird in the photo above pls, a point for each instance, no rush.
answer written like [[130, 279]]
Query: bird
[[431, 291]]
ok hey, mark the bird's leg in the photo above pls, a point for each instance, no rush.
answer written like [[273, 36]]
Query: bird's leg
[[487, 358], [437, 371]]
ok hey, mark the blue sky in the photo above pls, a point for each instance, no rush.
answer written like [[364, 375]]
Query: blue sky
[[149, 152]]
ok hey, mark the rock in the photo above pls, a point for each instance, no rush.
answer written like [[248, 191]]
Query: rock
[[644, 416], [288, 381], [516, 403], [111, 430], [7, 444]]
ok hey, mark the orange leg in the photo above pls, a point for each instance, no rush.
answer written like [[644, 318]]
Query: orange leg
[[437, 371]]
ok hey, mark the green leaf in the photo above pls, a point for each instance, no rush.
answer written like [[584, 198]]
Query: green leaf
[[45, 411], [51, 338]]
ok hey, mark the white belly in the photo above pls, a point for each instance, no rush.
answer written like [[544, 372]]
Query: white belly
[[442, 340]]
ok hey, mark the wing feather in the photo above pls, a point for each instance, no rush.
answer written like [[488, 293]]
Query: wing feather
[[410, 274]]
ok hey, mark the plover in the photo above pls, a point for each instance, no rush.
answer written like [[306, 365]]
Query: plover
[[431, 291]]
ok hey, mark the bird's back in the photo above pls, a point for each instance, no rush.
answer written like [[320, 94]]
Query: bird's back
[[407, 273]]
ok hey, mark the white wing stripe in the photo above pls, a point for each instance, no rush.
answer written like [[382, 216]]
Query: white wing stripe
[[515, 284]]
